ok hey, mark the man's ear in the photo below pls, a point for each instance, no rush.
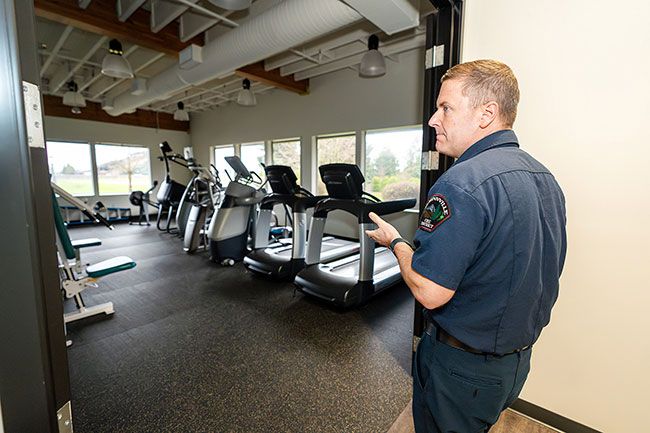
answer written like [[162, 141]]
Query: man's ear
[[489, 114]]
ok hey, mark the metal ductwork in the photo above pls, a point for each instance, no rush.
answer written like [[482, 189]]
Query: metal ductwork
[[291, 23]]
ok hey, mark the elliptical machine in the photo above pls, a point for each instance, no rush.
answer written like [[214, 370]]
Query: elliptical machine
[[170, 192], [205, 197], [229, 231]]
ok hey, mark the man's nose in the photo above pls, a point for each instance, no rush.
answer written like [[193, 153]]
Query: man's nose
[[433, 121]]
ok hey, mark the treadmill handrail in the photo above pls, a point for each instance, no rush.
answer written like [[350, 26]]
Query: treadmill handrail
[[298, 203], [361, 208]]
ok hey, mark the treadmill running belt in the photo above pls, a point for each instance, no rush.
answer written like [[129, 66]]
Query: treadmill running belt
[[349, 266]]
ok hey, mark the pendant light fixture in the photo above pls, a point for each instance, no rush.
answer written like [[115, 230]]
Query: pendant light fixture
[[232, 5], [72, 98], [246, 96], [180, 114], [372, 63], [114, 65]]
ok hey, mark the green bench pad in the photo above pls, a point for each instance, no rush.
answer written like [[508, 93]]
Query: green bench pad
[[110, 266], [83, 243]]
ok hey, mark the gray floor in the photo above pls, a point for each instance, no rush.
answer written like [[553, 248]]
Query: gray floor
[[195, 347]]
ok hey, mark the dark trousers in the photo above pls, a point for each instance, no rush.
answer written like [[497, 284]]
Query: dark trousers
[[462, 392]]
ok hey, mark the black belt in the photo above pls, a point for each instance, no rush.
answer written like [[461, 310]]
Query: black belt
[[445, 338]]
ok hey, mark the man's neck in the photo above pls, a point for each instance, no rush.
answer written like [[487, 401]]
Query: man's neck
[[482, 133]]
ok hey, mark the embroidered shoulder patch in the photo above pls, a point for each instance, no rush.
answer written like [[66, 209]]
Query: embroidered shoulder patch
[[435, 213]]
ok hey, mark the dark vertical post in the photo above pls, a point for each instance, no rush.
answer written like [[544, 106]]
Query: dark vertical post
[[34, 382], [442, 52]]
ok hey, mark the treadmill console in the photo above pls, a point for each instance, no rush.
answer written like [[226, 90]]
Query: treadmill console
[[238, 166], [282, 179], [343, 181]]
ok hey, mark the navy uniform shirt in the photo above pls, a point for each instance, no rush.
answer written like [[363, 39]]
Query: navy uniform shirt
[[494, 231]]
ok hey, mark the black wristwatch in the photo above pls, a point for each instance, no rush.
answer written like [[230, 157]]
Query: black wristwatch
[[397, 241]]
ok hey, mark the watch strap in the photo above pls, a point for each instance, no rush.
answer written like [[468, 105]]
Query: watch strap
[[396, 241]]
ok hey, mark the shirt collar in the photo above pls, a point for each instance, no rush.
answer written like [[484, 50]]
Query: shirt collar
[[503, 138]]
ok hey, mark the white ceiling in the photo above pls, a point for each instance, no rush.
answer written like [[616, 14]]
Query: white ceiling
[[67, 52]]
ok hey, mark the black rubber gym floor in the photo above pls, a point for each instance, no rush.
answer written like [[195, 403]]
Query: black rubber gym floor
[[196, 347]]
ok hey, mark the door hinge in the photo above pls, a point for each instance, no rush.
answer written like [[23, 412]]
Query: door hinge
[[64, 417], [434, 56], [431, 160]]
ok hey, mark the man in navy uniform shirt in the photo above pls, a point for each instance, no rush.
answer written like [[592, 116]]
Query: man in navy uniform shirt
[[489, 251]]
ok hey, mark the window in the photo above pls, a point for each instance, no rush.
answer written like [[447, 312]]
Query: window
[[71, 167], [287, 152], [330, 149], [220, 153], [252, 155], [393, 162], [122, 169]]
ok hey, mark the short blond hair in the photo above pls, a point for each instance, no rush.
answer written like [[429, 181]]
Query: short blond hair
[[488, 80]]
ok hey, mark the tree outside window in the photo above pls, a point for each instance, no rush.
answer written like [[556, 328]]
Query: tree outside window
[[122, 169], [340, 148], [287, 152], [393, 163]]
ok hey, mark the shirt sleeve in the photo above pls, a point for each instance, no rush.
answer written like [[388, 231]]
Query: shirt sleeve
[[448, 236]]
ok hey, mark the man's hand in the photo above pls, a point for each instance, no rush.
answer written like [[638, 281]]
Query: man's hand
[[384, 234]]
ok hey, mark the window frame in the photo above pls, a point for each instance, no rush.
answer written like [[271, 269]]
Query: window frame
[[96, 168], [225, 180], [364, 152], [263, 143], [273, 142], [315, 175], [92, 159]]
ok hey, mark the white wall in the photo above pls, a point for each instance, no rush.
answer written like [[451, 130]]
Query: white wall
[[338, 102], [60, 128], [583, 69]]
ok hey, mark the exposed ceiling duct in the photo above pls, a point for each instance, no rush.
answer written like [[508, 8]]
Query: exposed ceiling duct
[[290, 23]]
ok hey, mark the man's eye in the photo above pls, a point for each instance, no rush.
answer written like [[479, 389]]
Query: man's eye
[[445, 109]]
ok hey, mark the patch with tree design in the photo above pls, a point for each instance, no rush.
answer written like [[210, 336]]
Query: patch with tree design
[[435, 213]]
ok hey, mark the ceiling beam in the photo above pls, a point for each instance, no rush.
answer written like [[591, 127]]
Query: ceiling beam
[[164, 12], [59, 81], [57, 47], [256, 72], [93, 111], [387, 50], [125, 8], [101, 18]]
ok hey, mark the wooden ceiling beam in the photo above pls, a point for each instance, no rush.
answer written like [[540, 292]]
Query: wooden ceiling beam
[[256, 72], [149, 119], [101, 18]]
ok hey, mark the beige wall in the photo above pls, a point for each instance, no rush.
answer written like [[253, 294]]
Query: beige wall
[[583, 72], [338, 102], [60, 128]]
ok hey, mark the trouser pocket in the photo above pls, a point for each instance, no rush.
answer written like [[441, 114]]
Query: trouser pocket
[[420, 364]]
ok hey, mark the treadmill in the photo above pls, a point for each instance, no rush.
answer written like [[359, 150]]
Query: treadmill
[[283, 258], [352, 280]]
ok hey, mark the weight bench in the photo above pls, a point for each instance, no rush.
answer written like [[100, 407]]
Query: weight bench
[[75, 277]]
